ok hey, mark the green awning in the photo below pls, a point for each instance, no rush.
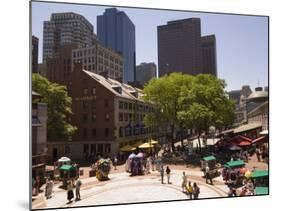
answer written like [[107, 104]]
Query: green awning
[[260, 173], [235, 164], [261, 190], [208, 158], [67, 168]]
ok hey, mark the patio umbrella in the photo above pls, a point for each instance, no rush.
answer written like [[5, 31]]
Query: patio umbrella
[[248, 174], [244, 143], [145, 146], [137, 144], [127, 148], [64, 159], [235, 148], [132, 155], [153, 141]]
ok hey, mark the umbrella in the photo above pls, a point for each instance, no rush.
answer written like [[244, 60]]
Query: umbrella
[[140, 155], [242, 170], [264, 132], [137, 144], [248, 174], [234, 148], [64, 159], [153, 141], [132, 155], [145, 145], [244, 143], [127, 148]]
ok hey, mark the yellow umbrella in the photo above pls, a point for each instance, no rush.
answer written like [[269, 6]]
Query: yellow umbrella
[[145, 145], [127, 148], [153, 141]]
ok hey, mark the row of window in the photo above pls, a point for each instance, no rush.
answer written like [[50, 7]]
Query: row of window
[[94, 117], [92, 104], [135, 107], [92, 132], [130, 117], [132, 131], [96, 149]]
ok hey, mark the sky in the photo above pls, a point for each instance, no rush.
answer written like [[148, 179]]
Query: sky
[[242, 41]]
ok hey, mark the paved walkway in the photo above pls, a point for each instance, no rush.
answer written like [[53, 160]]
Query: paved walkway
[[121, 188]]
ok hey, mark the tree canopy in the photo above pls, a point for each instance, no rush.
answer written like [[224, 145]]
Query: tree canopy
[[59, 108], [189, 102]]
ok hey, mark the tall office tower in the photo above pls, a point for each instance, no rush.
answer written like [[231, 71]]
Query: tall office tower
[[66, 28], [34, 54], [116, 31], [145, 72], [180, 48], [209, 54]]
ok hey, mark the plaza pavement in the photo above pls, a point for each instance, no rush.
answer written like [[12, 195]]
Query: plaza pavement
[[122, 188]]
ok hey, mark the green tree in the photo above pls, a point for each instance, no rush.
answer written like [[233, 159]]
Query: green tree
[[59, 108], [165, 93], [209, 105]]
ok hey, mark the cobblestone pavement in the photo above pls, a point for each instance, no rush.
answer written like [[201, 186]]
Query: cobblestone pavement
[[121, 188]]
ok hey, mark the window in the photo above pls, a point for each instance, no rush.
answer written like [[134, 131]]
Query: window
[[94, 132], [93, 148], [107, 116], [84, 118], [130, 106], [93, 104], [94, 91], [106, 132], [107, 148], [85, 148], [121, 132], [85, 91], [125, 105], [120, 105], [100, 148], [85, 132], [126, 117], [94, 117], [120, 117], [85, 105]]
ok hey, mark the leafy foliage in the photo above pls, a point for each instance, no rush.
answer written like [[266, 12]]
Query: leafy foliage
[[189, 102], [59, 108]]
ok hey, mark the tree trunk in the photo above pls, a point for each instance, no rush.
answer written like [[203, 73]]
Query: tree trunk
[[199, 142]]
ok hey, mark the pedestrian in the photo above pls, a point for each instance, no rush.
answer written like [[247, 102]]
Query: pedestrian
[[258, 154], [70, 194], [153, 163], [49, 188], [208, 175], [184, 181], [168, 172], [115, 161], [77, 189], [162, 174], [196, 191], [189, 190]]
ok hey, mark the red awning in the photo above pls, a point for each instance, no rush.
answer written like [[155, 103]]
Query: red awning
[[260, 140], [245, 138], [244, 143]]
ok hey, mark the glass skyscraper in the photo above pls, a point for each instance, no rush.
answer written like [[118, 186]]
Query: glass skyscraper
[[116, 31]]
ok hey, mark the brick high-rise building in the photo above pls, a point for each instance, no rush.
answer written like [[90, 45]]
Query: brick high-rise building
[[34, 54], [180, 48], [66, 28], [115, 30], [209, 54]]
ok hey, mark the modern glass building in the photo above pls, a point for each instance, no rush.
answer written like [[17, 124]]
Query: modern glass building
[[116, 31]]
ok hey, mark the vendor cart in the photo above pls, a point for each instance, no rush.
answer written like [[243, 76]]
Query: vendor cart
[[232, 172], [260, 178], [211, 161], [68, 172]]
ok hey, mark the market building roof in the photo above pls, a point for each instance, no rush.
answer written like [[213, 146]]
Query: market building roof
[[118, 88], [247, 127]]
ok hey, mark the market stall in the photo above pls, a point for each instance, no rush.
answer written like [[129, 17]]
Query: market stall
[[233, 172], [211, 161], [102, 169]]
